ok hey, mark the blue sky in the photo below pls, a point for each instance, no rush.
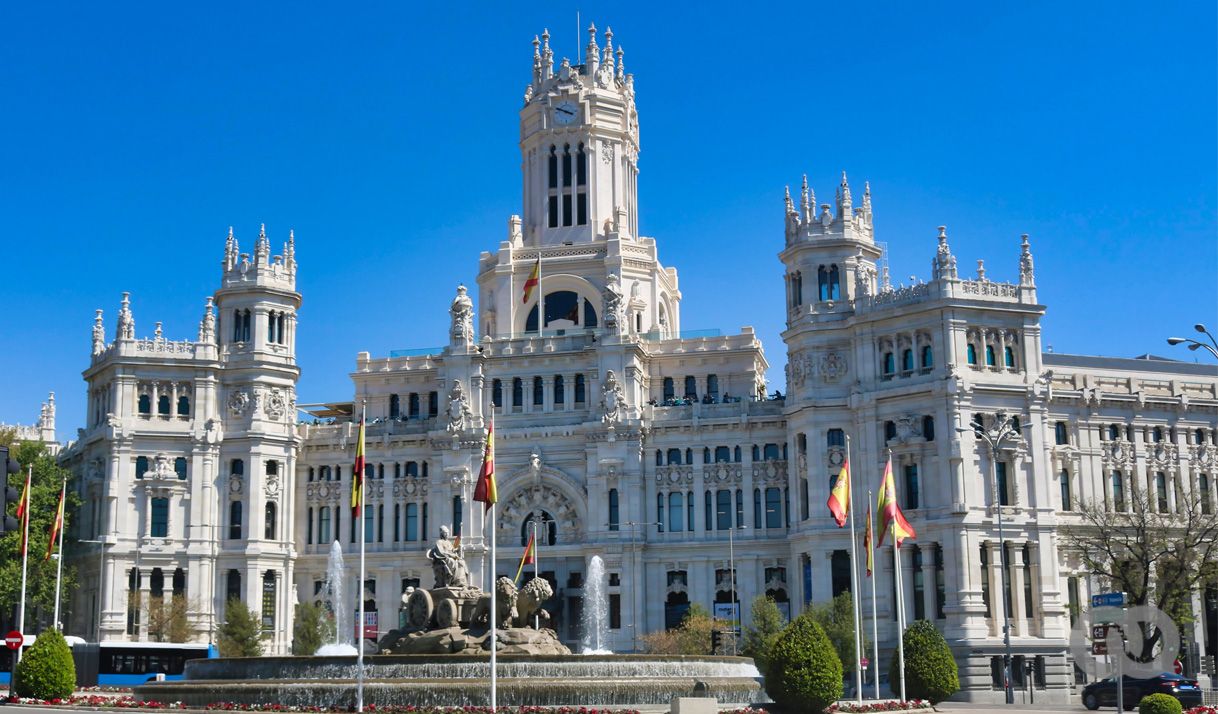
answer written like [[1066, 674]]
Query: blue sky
[[386, 136]]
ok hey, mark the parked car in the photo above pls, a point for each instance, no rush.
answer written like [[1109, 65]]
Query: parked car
[[1103, 693]]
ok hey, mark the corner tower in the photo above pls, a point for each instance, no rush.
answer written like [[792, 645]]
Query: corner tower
[[579, 142]]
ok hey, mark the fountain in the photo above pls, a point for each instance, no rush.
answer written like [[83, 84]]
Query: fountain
[[441, 657], [333, 591], [596, 610]]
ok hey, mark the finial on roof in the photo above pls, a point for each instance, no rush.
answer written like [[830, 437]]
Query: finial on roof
[[609, 48], [790, 206], [1027, 275], [844, 204], [99, 334], [944, 264], [980, 270], [621, 63], [867, 199], [803, 199], [126, 321]]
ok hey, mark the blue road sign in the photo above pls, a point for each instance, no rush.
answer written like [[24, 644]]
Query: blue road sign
[[1108, 600]]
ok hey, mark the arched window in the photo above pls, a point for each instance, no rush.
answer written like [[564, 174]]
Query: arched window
[[1156, 435], [141, 466], [1061, 433], [234, 520], [162, 405], [706, 455], [691, 388], [517, 392], [412, 469], [614, 514], [676, 511], [989, 355], [712, 386], [771, 452], [547, 528], [1114, 431], [736, 455], [659, 458], [271, 324], [669, 389], [179, 467], [674, 457], [552, 164], [890, 364], [928, 428], [236, 467], [972, 353], [145, 405], [1199, 436], [835, 437], [412, 406], [907, 362], [323, 525], [539, 393], [797, 288], [183, 405], [1008, 357], [756, 453], [723, 455], [822, 283], [395, 405], [835, 292], [581, 391], [581, 181], [269, 527], [560, 389], [497, 393], [928, 357]]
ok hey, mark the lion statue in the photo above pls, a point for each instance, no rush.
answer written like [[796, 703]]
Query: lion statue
[[529, 601], [505, 604]]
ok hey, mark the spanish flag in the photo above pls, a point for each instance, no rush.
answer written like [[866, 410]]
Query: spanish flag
[[529, 557], [357, 474], [23, 511], [533, 281], [890, 512], [869, 542], [839, 497], [57, 524], [485, 491]]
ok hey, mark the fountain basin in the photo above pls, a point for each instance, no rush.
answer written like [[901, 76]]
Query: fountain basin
[[463, 680]]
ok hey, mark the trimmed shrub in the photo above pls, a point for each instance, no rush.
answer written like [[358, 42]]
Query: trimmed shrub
[[241, 633], [1160, 704], [930, 668], [804, 672], [46, 670]]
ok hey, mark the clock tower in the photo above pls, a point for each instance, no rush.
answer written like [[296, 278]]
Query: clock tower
[[579, 142]]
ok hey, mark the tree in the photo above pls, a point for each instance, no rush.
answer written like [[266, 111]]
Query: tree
[[1156, 558], [241, 633], [760, 636], [170, 622], [837, 619], [40, 586], [47, 670], [930, 668], [691, 637], [804, 672], [311, 628]]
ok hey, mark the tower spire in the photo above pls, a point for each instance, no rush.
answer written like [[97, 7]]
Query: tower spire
[[844, 205], [805, 209], [1027, 276], [547, 56], [536, 60], [609, 49], [867, 200], [593, 51], [262, 248], [126, 321]]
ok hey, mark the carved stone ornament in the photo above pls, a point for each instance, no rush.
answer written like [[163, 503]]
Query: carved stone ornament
[[235, 484], [613, 399], [238, 402], [833, 366], [161, 469], [458, 408], [462, 312], [611, 303], [607, 153], [1204, 455], [271, 487], [1117, 453], [276, 405]]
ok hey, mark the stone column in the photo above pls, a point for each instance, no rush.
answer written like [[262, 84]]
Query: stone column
[[1019, 623], [930, 593], [997, 595], [547, 393]]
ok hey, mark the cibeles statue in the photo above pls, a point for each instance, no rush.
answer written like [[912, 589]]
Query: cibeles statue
[[447, 563], [462, 311]]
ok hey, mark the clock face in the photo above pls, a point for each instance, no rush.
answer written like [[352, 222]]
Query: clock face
[[565, 113]]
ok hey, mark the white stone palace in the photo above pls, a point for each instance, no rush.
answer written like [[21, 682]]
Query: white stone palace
[[623, 436]]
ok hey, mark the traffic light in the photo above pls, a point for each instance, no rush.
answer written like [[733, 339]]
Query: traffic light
[[8, 494]]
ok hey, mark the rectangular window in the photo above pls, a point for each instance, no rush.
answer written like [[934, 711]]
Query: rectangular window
[[614, 509], [1067, 502], [160, 518], [985, 580], [412, 521], [397, 523], [553, 211], [1072, 599], [919, 586], [1000, 474], [739, 508], [1161, 491], [433, 404], [566, 209], [1203, 485], [911, 487], [773, 508], [1118, 491], [1061, 433], [581, 209], [615, 611], [940, 585], [723, 510]]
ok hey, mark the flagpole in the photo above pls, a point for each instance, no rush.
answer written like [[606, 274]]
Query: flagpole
[[363, 533], [25, 554], [541, 299], [875, 631], [536, 573], [896, 562], [854, 582], [57, 527], [494, 617]]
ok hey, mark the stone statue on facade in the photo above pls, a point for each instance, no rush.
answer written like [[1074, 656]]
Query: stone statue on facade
[[447, 563], [462, 311], [207, 326], [613, 399], [126, 322], [99, 334], [612, 302], [458, 408]]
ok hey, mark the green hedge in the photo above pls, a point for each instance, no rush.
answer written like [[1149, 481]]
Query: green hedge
[[1160, 704], [930, 668], [804, 672], [46, 670]]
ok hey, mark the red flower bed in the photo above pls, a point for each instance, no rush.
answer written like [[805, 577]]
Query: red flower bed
[[891, 706], [129, 702]]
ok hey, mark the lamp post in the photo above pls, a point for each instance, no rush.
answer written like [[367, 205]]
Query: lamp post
[[1194, 345], [101, 579], [634, 525], [731, 556], [1002, 429]]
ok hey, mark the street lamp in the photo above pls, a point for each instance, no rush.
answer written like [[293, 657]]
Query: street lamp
[[1194, 345], [1004, 428], [636, 567], [731, 555]]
